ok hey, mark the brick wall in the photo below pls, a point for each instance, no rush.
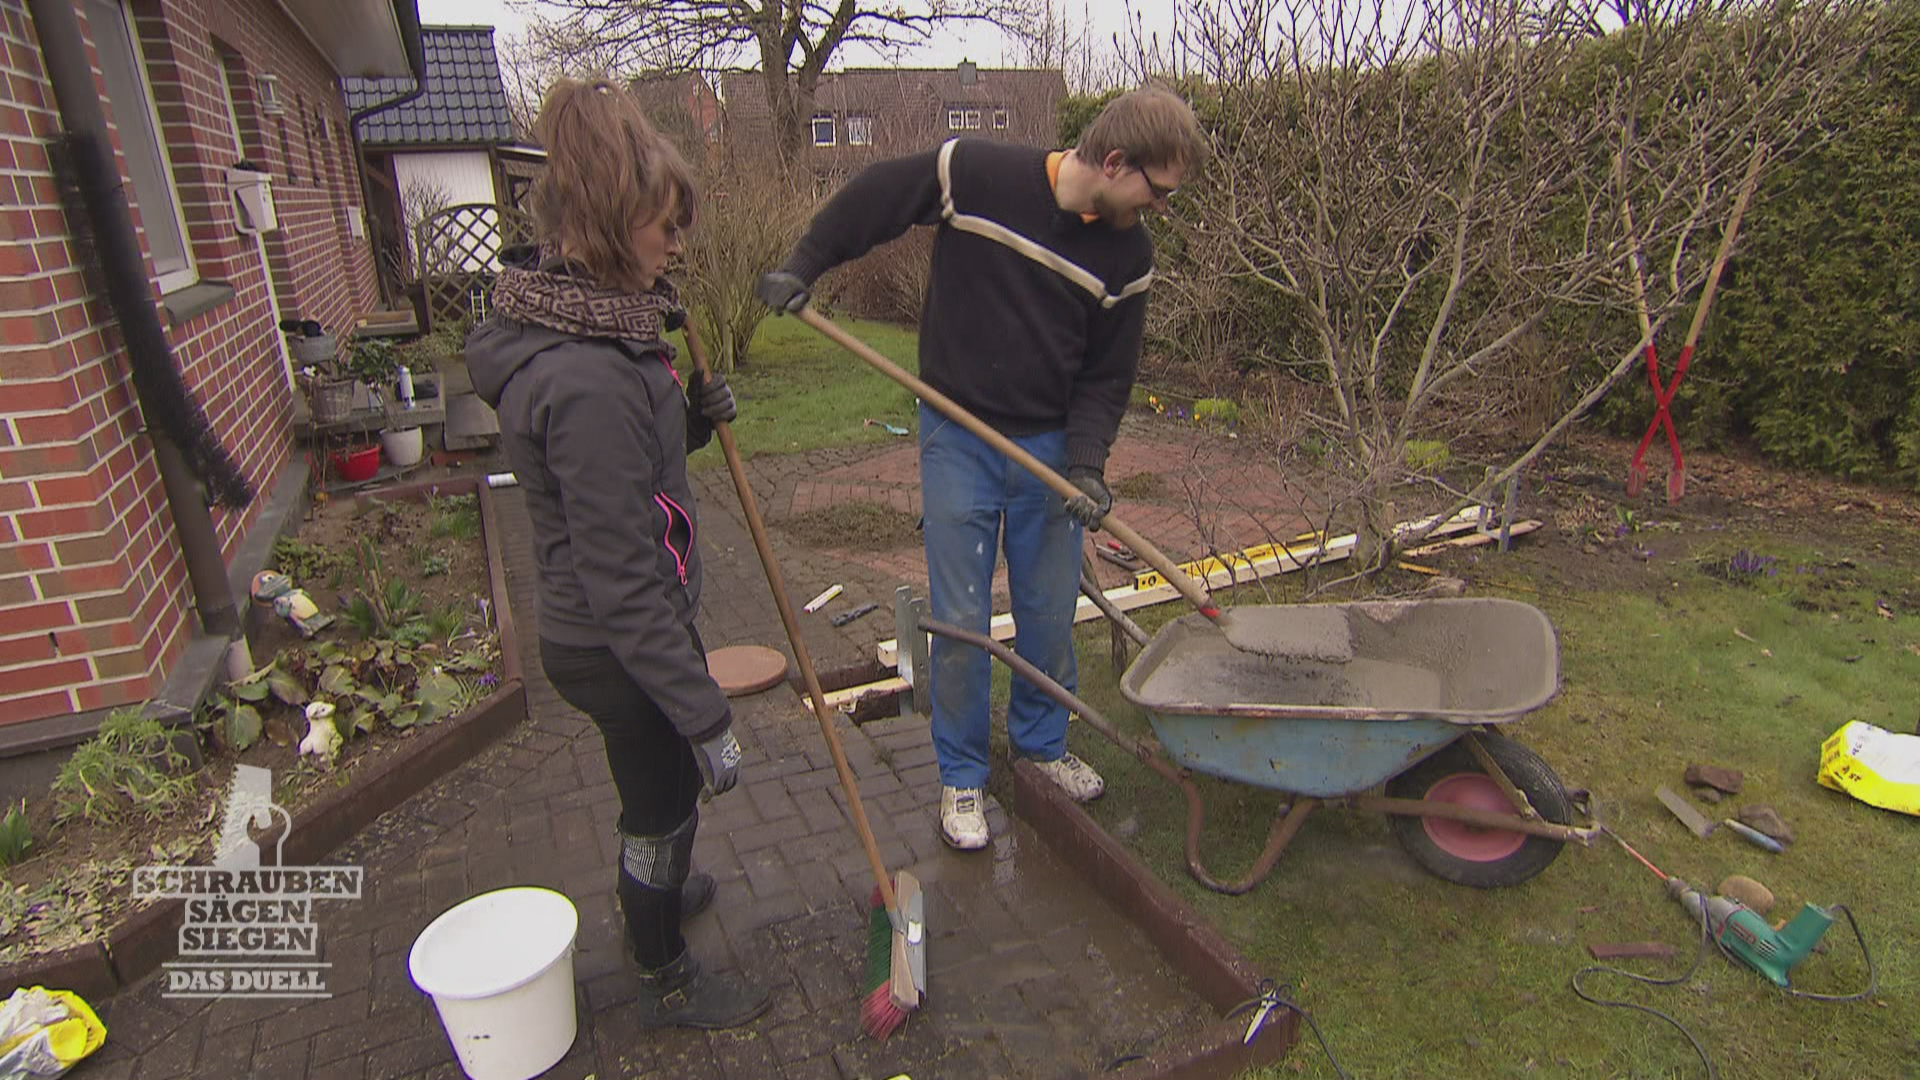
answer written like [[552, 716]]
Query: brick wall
[[94, 600]]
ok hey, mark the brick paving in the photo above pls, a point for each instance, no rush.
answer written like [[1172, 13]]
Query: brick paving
[[1031, 974]]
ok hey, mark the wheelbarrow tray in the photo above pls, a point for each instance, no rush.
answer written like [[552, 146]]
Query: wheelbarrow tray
[[1363, 692]]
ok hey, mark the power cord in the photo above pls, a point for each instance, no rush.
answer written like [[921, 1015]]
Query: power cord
[[1705, 940]]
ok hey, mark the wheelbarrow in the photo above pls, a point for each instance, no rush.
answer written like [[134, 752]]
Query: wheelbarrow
[[1403, 695]]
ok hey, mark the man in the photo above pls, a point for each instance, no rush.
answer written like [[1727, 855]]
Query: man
[[1032, 322]]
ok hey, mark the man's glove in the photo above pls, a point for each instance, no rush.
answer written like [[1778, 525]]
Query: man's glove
[[783, 292], [711, 397], [719, 760], [1089, 508]]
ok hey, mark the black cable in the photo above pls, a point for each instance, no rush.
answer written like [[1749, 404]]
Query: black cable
[[1274, 995], [1706, 940]]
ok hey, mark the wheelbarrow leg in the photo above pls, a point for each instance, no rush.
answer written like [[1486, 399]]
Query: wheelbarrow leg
[[1278, 837], [1499, 776]]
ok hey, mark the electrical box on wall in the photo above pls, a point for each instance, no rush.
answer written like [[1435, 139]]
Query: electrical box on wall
[[356, 223], [251, 192]]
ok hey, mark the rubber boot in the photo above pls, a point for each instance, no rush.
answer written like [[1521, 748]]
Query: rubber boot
[[695, 894], [682, 994]]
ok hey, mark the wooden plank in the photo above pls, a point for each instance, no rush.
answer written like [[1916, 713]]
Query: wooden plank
[[1148, 589]]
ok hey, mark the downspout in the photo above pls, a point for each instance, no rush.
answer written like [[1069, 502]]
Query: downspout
[[409, 16], [173, 420]]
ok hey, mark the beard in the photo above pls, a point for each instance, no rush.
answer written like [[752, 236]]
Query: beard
[[1111, 212]]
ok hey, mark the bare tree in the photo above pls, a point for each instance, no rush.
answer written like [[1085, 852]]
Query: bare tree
[[790, 42], [1431, 187], [749, 220]]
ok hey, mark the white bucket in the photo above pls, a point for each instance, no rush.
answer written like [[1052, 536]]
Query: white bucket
[[500, 970], [403, 447]]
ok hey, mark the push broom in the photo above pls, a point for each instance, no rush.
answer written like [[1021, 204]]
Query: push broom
[[896, 929]]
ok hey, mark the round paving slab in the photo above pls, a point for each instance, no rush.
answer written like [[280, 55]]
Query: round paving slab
[[746, 669]]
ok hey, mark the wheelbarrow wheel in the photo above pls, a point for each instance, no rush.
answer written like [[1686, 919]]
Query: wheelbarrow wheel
[[1466, 854]]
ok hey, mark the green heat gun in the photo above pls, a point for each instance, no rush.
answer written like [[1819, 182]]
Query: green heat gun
[[1745, 936]]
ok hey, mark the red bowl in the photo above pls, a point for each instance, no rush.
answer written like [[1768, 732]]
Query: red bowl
[[357, 465]]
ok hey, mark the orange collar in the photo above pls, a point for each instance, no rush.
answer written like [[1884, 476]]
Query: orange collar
[[1053, 179]]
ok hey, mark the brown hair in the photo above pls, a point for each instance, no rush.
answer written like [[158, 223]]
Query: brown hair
[[1152, 126], [608, 171]]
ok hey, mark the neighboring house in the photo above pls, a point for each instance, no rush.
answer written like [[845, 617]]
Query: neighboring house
[[96, 606], [865, 114], [684, 106], [440, 149]]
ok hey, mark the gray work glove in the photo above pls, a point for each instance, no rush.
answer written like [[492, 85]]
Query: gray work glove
[[1090, 507], [783, 292], [719, 761], [711, 397]]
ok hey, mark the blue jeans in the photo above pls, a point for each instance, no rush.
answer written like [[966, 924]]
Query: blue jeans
[[975, 501]]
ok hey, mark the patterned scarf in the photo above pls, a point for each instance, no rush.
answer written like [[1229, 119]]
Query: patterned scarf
[[553, 293]]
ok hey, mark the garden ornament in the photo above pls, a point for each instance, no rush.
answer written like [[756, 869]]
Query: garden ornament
[[323, 738], [290, 603]]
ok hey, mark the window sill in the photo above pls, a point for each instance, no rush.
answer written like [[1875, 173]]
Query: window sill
[[197, 299]]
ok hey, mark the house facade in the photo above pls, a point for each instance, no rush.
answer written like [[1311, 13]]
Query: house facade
[[862, 115], [440, 149], [95, 603]]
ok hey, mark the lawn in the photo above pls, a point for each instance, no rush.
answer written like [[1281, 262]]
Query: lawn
[[1412, 977], [799, 391]]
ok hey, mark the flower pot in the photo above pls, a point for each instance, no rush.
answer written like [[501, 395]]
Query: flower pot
[[357, 465], [404, 446], [332, 400]]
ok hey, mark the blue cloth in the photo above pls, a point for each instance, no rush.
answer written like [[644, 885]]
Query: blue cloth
[[977, 501]]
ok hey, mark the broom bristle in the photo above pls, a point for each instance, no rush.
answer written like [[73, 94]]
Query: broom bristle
[[880, 1015]]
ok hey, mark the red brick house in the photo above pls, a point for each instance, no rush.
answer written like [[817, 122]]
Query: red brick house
[[110, 563], [862, 115]]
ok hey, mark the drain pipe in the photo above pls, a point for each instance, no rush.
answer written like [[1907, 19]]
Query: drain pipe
[[409, 16], [172, 418]]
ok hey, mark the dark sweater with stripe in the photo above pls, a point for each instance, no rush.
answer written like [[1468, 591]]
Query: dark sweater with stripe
[[1034, 316]]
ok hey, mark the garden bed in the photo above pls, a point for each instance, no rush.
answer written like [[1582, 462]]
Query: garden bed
[[419, 661]]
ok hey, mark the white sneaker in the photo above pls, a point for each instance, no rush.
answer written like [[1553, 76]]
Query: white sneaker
[[963, 818], [1075, 777]]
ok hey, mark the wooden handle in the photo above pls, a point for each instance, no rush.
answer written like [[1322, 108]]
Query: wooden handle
[[758, 528], [1189, 588]]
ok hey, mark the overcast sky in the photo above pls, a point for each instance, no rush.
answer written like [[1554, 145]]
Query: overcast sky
[[984, 46]]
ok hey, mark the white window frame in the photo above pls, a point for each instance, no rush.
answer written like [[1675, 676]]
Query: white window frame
[[832, 135], [174, 275], [1000, 120], [859, 131], [955, 118], [971, 120]]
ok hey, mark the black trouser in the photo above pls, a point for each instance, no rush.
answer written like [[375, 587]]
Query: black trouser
[[659, 784]]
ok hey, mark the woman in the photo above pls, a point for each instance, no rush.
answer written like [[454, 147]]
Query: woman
[[597, 428]]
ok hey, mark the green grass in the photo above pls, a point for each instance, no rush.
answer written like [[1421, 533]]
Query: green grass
[[1413, 977], [800, 391]]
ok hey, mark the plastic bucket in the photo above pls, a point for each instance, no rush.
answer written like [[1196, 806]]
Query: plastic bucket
[[499, 968]]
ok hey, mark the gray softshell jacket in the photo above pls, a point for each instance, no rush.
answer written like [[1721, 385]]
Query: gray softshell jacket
[[596, 431]]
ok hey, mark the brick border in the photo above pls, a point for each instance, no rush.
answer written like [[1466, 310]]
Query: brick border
[[148, 937], [1187, 941]]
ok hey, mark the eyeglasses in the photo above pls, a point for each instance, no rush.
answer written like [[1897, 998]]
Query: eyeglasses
[[1160, 194]]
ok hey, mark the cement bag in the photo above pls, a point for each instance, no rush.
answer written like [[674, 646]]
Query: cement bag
[[43, 1033], [1875, 766]]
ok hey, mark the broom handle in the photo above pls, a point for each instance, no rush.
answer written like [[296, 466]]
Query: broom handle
[[1188, 587], [759, 529]]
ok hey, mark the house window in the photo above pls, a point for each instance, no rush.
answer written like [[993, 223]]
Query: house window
[[823, 130], [955, 118], [971, 121], [859, 131], [999, 119], [133, 113]]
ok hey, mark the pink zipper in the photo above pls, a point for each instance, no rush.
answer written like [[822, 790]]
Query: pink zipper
[[668, 506]]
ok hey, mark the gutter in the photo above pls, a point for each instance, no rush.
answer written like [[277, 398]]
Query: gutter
[[189, 457], [409, 17]]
